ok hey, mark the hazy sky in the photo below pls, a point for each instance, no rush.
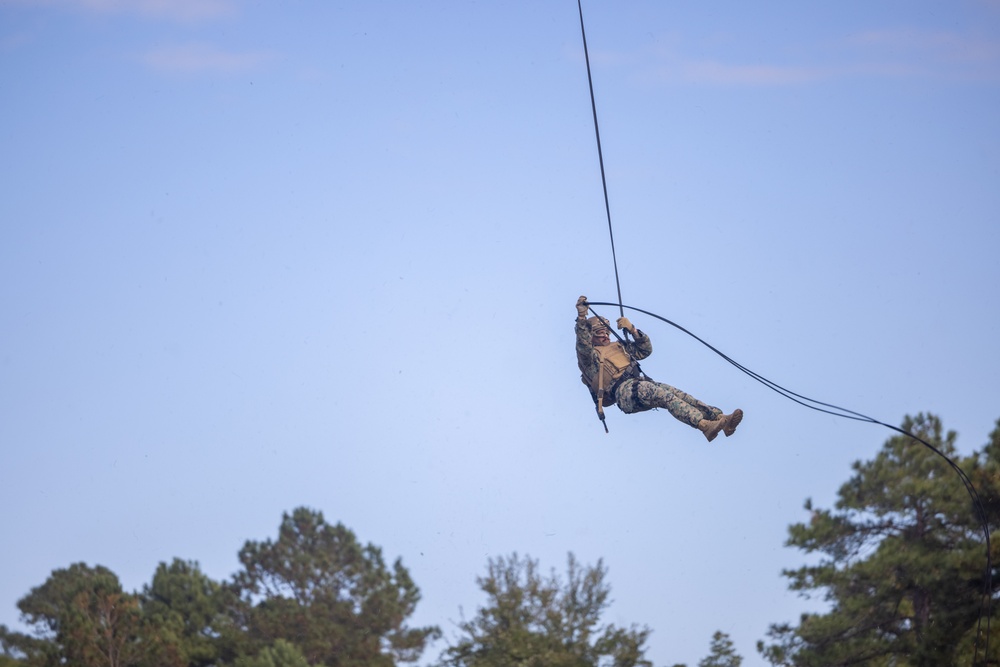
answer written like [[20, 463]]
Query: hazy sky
[[261, 255]]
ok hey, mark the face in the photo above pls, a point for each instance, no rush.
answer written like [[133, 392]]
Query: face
[[599, 336]]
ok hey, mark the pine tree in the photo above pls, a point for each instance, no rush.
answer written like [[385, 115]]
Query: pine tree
[[902, 559], [281, 654], [723, 653], [335, 599], [535, 621], [80, 616]]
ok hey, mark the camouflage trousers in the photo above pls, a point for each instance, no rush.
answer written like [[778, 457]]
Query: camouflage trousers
[[640, 395]]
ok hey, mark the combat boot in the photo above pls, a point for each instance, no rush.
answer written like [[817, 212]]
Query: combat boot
[[711, 428], [732, 421]]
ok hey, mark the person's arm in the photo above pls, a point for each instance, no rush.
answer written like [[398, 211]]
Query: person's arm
[[584, 342], [641, 347]]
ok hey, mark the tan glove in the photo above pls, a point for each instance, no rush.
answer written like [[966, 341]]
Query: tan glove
[[623, 323], [581, 307]]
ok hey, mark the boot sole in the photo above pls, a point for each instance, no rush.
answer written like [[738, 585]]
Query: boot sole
[[733, 421]]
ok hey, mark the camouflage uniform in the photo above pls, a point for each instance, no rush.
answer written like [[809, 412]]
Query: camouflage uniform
[[634, 392]]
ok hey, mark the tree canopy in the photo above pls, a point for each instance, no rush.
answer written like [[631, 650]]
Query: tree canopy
[[319, 588], [532, 620], [281, 654], [80, 616], [902, 560], [314, 596], [899, 559], [187, 610], [722, 652]]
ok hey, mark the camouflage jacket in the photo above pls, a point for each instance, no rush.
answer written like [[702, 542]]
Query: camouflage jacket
[[589, 360]]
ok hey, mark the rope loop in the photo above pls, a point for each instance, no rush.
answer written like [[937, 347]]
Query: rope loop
[[828, 408]]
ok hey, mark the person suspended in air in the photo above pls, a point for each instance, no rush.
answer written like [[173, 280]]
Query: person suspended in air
[[612, 374]]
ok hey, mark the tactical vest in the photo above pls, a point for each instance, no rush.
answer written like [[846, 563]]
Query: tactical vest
[[614, 364]]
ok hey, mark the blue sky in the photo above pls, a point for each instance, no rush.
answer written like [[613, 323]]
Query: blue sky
[[254, 257]]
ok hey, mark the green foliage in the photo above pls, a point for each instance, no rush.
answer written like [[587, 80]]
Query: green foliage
[[723, 653], [10, 661], [10, 654], [282, 654], [901, 558], [336, 600], [184, 610], [536, 621], [14, 647], [80, 616], [314, 596]]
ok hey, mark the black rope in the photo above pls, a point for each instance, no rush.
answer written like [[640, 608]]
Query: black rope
[[837, 411], [798, 398], [600, 156]]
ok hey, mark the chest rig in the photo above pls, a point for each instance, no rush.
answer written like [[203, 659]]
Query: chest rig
[[614, 365]]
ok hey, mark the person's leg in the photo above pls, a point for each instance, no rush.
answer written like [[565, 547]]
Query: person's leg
[[627, 397], [638, 395], [682, 406], [710, 411]]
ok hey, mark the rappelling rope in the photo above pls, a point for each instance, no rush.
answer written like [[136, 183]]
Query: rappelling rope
[[798, 398], [857, 416], [600, 154]]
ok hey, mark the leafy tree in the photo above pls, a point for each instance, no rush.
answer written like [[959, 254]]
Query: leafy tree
[[282, 654], [80, 616], [536, 621], [336, 600], [10, 654], [901, 560], [184, 611], [723, 653], [984, 471]]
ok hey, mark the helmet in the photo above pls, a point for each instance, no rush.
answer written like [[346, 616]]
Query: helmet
[[597, 323]]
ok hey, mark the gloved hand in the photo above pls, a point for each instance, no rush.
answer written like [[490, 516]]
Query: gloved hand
[[623, 323], [581, 307]]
